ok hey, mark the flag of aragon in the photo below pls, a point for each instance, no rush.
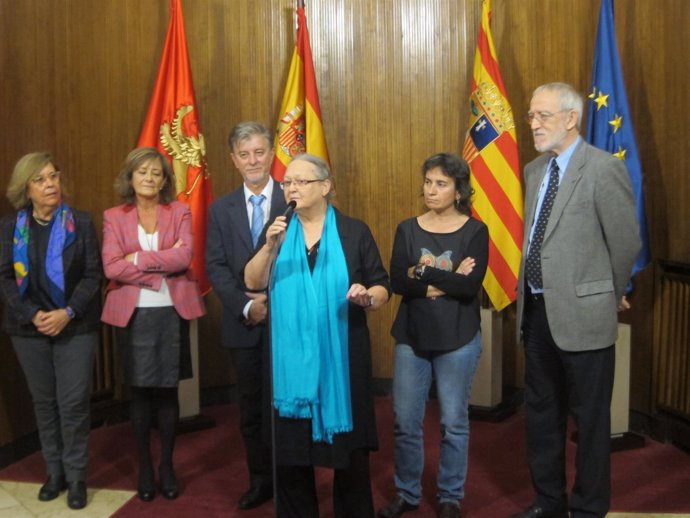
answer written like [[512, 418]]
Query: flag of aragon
[[491, 152]]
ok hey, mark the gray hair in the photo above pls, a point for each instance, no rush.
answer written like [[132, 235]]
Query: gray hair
[[246, 130], [570, 99], [323, 172]]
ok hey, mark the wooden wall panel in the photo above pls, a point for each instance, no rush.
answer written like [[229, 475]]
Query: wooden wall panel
[[393, 78]]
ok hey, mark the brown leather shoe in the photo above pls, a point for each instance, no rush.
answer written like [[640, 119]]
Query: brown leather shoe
[[396, 508]]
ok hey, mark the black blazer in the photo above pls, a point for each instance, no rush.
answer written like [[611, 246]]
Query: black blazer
[[83, 276], [364, 266], [228, 247]]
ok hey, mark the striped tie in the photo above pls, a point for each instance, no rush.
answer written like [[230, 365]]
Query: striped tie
[[257, 217]]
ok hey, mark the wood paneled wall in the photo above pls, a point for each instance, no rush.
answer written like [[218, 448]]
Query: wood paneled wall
[[393, 77]]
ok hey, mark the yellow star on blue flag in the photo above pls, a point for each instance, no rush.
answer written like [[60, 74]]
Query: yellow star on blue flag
[[608, 119]]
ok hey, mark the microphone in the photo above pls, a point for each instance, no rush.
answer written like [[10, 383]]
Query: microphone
[[290, 209], [287, 214]]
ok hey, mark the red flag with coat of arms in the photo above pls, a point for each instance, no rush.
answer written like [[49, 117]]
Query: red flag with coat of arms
[[172, 126]]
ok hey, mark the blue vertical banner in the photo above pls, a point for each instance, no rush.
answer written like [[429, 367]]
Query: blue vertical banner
[[609, 126]]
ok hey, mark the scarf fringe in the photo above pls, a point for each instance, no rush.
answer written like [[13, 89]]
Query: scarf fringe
[[328, 433], [300, 408]]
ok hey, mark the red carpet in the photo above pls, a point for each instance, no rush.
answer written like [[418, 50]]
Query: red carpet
[[212, 475]]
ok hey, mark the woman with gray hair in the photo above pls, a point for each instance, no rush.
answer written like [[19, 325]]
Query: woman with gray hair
[[328, 274], [50, 276]]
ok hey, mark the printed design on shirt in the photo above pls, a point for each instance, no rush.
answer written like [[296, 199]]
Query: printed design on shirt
[[442, 262]]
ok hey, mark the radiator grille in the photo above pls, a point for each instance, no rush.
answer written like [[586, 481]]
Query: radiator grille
[[672, 354]]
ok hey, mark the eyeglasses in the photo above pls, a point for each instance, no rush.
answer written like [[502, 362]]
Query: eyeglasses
[[541, 116], [41, 180], [299, 183]]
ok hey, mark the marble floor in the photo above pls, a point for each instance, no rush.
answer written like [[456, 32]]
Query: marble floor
[[18, 500]]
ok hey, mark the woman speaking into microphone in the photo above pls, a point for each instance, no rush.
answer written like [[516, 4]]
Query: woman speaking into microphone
[[328, 273]]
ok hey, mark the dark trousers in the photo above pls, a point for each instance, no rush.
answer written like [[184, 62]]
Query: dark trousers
[[558, 382], [352, 498], [59, 373], [251, 387]]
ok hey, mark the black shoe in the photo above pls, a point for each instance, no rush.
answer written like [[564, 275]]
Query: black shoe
[[256, 496], [52, 487], [396, 508], [146, 495], [76, 494], [538, 512], [169, 488], [449, 510], [146, 488]]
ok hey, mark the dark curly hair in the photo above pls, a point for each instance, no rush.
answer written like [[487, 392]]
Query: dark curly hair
[[456, 168]]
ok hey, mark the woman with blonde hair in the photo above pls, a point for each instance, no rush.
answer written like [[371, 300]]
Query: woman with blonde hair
[[50, 277]]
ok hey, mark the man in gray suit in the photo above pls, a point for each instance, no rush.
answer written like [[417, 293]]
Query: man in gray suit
[[235, 222], [581, 239]]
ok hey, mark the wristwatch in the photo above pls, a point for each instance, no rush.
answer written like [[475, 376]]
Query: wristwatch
[[371, 300], [419, 271], [70, 312]]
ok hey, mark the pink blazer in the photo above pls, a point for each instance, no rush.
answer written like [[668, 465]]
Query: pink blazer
[[120, 237]]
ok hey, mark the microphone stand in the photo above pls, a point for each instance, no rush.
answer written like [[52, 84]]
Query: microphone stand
[[274, 474], [271, 270]]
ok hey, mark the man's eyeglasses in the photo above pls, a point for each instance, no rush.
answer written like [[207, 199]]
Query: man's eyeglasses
[[541, 116], [41, 180], [299, 183]]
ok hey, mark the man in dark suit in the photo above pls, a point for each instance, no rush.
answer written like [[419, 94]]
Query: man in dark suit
[[581, 239], [235, 221]]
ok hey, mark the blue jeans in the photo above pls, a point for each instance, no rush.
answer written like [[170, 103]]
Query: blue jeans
[[453, 372]]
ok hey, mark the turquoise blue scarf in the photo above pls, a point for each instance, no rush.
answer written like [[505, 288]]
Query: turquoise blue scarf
[[309, 332], [62, 235]]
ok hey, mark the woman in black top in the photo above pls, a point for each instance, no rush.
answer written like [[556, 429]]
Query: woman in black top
[[438, 263], [328, 274], [50, 280]]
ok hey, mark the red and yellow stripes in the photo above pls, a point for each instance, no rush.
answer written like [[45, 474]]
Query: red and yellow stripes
[[300, 126], [491, 151]]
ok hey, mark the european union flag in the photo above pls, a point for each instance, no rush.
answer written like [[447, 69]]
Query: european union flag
[[609, 125]]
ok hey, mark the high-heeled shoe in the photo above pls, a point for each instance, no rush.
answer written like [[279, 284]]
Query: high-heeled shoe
[[169, 488], [146, 488], [146, 495]]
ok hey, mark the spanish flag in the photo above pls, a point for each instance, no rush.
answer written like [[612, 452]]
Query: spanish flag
[[300, 126], [172, 126], [491, 151]]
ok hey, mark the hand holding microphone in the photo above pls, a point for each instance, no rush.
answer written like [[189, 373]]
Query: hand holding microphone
[[277, 229]]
